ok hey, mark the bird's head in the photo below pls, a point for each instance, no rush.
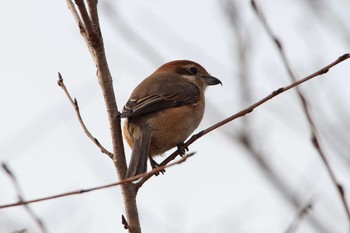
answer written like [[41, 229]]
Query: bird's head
[[191, 71]]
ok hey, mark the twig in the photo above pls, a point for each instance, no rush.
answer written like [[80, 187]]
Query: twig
[[81, 191], [19, 192], [91, 33], [76, 16], [314, 132], [247, 110], [93, 13], [77, 111], [20, 231], [301, 214]]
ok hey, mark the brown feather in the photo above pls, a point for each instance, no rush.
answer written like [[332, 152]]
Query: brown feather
[[166, 92]]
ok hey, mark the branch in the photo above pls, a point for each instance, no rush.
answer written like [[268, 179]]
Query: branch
[[76, 16], [77, 111], [91, 33], [301, 214], [19, 192], [83, 191], [247, 110], [93, 12], [305, 104]]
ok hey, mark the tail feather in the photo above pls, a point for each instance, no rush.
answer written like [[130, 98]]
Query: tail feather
[[139, 156]]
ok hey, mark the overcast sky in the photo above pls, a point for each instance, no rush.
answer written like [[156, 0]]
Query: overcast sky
[[223, 188]]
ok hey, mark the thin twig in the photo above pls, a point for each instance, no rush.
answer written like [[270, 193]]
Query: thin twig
[[93, 13], [19, 192], [305, 104], [81, 191], [20, 231], [77, 111], [247, 110], [76, 16], [85, 18], [301, 214]]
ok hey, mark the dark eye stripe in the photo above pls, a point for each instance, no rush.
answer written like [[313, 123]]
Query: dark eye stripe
[[193, 70]]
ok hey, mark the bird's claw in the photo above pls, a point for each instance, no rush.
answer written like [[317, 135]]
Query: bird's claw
[[154, 165], [182, 148]]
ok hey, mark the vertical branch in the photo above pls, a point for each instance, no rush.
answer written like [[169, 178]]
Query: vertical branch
[[91, 32], [305, 105]]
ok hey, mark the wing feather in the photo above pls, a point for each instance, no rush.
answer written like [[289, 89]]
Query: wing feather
[[162, 92]]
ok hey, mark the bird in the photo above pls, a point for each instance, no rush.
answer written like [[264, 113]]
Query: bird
[[164, 110]]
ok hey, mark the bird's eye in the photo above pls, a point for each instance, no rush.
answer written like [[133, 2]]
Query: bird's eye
[[193, 70]]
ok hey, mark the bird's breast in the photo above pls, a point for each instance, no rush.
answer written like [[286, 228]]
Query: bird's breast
[[172, 126]]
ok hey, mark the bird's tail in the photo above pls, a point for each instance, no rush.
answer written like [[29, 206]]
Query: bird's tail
[[139, 155]]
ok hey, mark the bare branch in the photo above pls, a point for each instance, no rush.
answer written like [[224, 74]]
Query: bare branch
[[94, 42], [76, 16], [19, 192], [247, 110], [85, 17], [94, 14], [305, 104], [77, 111], [301, 214], [82, 191]]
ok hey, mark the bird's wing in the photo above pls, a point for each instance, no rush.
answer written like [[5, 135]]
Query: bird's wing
[[161, 95]]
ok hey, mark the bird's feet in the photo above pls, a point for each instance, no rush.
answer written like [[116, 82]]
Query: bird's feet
[[182, 148], [154, 165]]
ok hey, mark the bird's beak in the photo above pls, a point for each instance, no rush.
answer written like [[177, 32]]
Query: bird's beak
[[210, 80]]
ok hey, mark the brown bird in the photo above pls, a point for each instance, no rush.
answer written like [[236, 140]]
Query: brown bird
[[163, 110]]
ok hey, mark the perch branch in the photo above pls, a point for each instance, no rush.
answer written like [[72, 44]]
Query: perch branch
[[82, 191], [247, 110]]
